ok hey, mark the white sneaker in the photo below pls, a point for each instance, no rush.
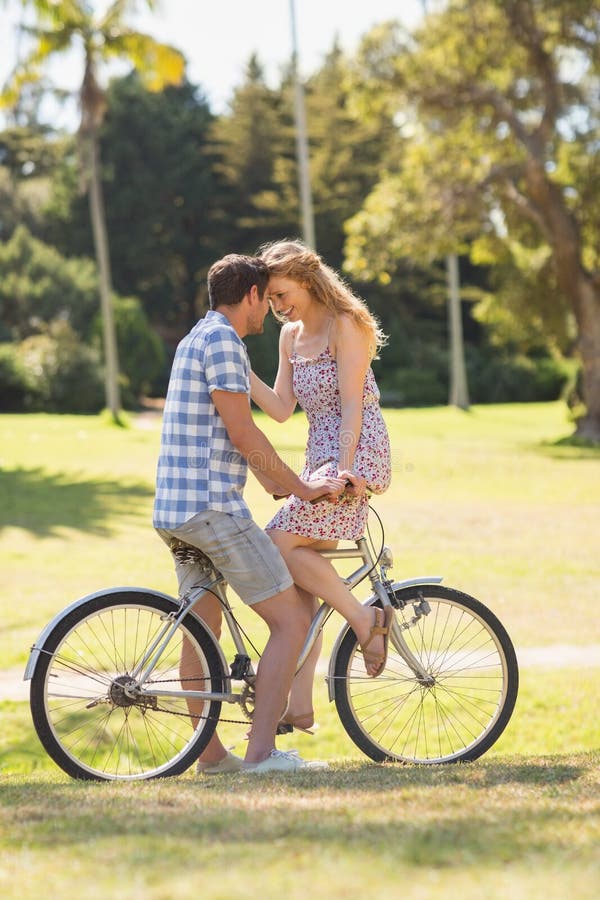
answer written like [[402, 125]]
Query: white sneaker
[[229, 763], [282, 761]]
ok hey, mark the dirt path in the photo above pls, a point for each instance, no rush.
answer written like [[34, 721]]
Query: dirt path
[[555, 656]]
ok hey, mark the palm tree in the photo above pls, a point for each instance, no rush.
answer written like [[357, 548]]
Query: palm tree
[[60, 26]]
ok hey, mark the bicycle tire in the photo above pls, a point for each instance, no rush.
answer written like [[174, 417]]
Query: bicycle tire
[[84, 719], [463, 711]]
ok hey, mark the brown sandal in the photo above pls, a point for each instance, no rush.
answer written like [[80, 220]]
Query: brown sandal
[[384, 629]]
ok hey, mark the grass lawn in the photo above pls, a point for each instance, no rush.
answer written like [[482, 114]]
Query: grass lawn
[[520, 828], [489, 499]]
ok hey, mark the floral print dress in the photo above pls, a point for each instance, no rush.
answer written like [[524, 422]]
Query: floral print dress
[[315, 384]]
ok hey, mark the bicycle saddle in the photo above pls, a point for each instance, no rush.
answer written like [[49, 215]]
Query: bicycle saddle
[[188, 555]]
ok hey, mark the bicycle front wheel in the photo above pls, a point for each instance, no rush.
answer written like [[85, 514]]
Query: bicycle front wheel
[[91, 715], [455, 707]]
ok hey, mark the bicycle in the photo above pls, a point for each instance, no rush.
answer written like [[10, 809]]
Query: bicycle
[[110, 700]]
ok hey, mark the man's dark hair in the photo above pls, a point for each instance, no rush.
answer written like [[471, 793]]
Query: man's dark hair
[[230, 279]]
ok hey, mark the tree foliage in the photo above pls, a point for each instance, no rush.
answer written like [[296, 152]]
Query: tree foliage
[[256, 142], [62, 373], [499, 105], [420, 144], [163, 200], [38, 284], [61, 25]]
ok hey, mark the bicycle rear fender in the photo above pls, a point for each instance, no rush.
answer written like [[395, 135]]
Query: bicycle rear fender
[[47, 631], [396, 586]]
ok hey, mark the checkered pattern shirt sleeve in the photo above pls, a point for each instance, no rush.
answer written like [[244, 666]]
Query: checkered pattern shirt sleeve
[[198, 467], [225, 364]]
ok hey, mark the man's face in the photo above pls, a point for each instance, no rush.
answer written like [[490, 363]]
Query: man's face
[[257, 314]]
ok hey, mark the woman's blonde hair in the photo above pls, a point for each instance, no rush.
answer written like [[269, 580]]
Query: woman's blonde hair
[[293, 259]]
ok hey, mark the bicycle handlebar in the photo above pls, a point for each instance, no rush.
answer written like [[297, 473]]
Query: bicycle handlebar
[[318, 499]]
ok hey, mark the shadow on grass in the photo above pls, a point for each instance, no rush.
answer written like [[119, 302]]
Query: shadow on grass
[[570, 448], [42, 502], [399, 816]]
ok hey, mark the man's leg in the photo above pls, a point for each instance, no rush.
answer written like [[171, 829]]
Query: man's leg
[[255, 570], [209, 608], [191, 577], [288, 620]]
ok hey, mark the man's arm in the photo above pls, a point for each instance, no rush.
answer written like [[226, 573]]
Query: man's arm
[[262, 458], [270, 486]]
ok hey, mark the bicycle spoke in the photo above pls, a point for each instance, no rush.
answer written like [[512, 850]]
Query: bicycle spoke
[[93, 711], [451, 714]]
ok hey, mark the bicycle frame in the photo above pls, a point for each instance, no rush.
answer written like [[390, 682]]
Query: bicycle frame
[[109, 674], [217, 585]]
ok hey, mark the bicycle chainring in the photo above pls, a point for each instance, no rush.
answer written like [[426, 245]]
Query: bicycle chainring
[[248, 697]]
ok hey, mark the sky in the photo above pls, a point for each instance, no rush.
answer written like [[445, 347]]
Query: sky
[[218, 37]]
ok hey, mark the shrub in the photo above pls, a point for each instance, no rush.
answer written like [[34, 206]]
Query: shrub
[[141, 351], [37, 284], [413, 387], [62, 374], [493, 377], [514, 378], [13, 380]]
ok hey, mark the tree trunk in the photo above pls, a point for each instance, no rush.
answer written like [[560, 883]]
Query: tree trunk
[[588, 321], [459, 392], [111, 361], [562, 233]]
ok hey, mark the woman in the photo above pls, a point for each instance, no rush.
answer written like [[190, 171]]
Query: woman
[[325, 350]]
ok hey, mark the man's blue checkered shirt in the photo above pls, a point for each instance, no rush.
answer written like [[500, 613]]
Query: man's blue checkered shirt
[[198, 467]]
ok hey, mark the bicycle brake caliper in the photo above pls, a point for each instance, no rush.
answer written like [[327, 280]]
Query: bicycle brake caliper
[[422, 608]]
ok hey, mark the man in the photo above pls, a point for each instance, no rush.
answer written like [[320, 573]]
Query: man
[[208, 440]]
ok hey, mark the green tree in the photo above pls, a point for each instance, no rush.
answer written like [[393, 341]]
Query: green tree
[[500, 103], [256, 141], [164, 200], [347, 150], [60, 25], [140, 348], [38, 285], [29, 155]]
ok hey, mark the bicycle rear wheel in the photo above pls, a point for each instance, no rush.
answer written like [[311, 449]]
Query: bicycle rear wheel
[[454, 714], [87, 709]]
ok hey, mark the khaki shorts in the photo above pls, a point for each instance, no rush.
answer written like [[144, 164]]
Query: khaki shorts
[[246, 557]]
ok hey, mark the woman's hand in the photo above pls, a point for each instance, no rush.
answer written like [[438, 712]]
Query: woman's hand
[[358, 484], [329, 489]]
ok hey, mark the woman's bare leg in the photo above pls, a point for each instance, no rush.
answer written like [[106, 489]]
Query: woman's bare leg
[[300, 706], [316, 575]]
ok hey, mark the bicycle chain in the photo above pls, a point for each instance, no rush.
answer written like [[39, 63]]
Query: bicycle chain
[[171, 712], [189, 715]]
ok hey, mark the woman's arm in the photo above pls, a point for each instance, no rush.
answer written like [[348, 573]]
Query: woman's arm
[[279, 401], [353, 360], [254, 445]]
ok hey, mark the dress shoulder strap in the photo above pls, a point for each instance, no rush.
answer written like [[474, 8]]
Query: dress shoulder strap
[[327, 347], [294, 335]]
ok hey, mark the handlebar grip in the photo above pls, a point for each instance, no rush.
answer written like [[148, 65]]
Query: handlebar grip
[[322, 497], [318, 499]]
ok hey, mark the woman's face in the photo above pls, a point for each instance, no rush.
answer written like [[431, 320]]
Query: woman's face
[[288, 298]]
